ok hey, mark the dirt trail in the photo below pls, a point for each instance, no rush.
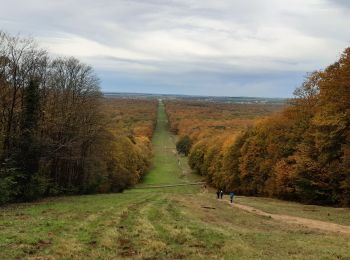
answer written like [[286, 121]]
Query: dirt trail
[[310, 223]]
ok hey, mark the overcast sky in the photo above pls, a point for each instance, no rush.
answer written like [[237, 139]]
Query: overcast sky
[[204, 47]]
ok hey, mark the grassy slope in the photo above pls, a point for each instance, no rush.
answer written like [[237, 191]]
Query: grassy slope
[[165, 165], [169, 223], [168, 166]]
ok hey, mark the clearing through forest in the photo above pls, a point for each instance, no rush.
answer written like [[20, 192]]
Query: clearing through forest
[[177, 222]]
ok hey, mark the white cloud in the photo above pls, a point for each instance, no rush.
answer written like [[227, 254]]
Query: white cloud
[[164, 38], [70, 45]]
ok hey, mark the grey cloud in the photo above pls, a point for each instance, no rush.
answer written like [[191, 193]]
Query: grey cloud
[[225, 46], [341, 3]]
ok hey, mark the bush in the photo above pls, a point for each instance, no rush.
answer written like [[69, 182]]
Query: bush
[[8, 184], [183, 146]]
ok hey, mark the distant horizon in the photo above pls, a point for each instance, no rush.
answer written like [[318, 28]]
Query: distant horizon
[[187, 95]]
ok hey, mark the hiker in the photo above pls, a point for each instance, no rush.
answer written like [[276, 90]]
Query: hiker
[[221, 194], [218, 194], [231, 196]]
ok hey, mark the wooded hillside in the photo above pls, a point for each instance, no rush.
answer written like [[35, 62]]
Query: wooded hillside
[[301, 153], [57, 134], [207, 129]]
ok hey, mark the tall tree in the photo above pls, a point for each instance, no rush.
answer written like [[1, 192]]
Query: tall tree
[[29, 147]]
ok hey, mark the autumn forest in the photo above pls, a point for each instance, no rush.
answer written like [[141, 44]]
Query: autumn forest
[[87, 174], [300, 152], [59, 135]]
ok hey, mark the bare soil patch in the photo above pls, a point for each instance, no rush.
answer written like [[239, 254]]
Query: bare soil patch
[[309, 223]]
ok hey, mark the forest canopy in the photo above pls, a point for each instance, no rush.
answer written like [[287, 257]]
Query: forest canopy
[[58, 135], [301, 153]]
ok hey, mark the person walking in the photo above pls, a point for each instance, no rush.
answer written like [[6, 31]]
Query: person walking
[[221, 194], [218, 194], [232, 194]]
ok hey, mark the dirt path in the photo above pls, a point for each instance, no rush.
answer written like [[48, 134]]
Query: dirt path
[[305, 222]]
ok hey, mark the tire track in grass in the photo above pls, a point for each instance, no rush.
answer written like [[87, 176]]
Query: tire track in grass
[[169, 230], [184, 235], [128, 235], [96, 233]]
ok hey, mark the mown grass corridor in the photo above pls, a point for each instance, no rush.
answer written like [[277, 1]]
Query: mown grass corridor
[[184, 222]]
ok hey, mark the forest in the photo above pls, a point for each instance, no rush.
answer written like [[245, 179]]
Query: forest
[[200, 120], [58, 134], [300, 153]]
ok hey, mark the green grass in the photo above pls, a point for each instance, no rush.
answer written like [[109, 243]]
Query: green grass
[[165, 164], [168, 167], [169, 223]]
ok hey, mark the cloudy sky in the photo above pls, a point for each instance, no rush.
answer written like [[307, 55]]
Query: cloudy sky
[[202, 47]]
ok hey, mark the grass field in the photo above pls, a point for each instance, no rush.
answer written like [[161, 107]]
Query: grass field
[[168, 166], [183, 222]]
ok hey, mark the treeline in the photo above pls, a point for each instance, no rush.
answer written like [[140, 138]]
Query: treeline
[[200, 120], [212, 122], [56, 136], [131, 123], [302, 153]]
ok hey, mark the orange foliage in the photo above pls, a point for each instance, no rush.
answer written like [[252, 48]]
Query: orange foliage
[[200, 120], [301, 153], [213, 128]]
